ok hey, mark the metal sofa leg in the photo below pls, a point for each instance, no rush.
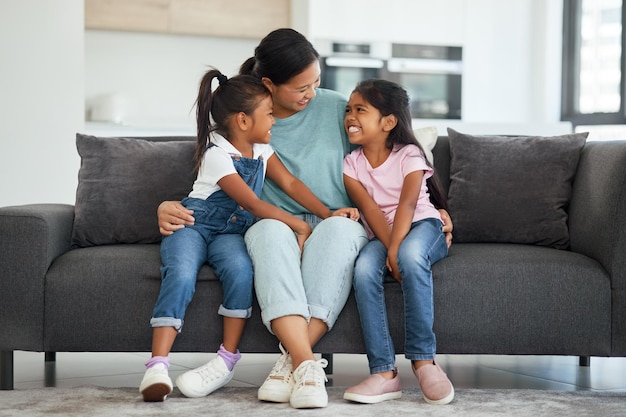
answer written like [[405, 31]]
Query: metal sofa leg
[[584, 361], [329, 358], [6, 370], [50, 369]]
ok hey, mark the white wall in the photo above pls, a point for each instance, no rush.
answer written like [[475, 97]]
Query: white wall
[[439, 22], [155, 77], [41, 99], [547, 63]]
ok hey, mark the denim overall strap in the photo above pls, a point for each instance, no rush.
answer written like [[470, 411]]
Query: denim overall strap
[[251, 170]]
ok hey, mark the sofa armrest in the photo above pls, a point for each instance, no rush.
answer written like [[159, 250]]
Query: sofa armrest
[[31, 237], [597, 213], [597, 222]]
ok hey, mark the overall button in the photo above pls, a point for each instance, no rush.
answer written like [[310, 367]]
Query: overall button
[[234, 218]]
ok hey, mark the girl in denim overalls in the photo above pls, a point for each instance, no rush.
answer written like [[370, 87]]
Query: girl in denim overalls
[[232, 157]]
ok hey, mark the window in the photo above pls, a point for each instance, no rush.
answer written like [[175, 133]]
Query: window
[[594, 97]]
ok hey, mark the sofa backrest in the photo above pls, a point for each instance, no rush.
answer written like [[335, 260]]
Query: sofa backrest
[[441, 157]]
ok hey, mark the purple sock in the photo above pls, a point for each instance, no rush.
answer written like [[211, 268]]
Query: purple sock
[[165, 360], [229, 358]]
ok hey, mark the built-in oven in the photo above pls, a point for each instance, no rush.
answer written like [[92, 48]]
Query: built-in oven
[[432, 75], [344, 64]]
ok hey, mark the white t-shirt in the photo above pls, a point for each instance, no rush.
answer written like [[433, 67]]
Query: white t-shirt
[[217, 163], [384, 183]]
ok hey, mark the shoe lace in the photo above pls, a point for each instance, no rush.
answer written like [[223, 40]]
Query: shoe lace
[[283, 366], [312, 373], [209, 373]]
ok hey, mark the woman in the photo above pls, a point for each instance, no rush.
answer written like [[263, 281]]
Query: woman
[[300, 293]]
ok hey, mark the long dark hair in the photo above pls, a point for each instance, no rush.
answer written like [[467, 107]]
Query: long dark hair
[[281, 55], [241, 93], [390, 98]]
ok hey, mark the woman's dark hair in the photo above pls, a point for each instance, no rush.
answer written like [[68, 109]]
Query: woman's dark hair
[[390, 98], [281, 55], [214, 109]]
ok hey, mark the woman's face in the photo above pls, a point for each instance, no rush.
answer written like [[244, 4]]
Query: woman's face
[[294, 95]]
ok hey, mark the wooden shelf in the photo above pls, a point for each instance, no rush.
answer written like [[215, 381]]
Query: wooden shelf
[[222, 18]]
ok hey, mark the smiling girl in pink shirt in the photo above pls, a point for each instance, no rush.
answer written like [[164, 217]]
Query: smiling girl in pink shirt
[[392, 184]]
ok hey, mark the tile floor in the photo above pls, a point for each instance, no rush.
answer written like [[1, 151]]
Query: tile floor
[[465, 371]]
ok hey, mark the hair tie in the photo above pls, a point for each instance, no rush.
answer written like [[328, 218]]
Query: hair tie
[[222, 79]]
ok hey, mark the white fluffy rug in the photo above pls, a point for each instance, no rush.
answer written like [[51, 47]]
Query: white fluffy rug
[[241, 402]]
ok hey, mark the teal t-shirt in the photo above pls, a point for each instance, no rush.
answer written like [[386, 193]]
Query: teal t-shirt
[[312, 144]]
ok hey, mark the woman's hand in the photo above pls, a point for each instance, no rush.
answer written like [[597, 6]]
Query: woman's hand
[[173, 216], [349, 212], [447, 226]]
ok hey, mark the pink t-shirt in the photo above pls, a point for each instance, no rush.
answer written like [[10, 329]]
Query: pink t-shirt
[[384, 183]]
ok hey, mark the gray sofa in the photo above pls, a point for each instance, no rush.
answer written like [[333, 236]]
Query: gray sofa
[[65, 288]]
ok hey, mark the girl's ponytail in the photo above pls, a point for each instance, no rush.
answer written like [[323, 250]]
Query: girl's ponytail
[[204, 103]]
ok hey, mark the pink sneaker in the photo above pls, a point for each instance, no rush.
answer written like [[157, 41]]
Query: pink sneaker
[[435, 385], [374, 389]]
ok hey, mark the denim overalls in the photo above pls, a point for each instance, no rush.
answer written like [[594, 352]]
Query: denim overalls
[[215, 238]]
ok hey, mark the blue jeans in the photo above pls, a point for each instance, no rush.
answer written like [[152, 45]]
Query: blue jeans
[[182, 255], [424, 245], [316, 285]]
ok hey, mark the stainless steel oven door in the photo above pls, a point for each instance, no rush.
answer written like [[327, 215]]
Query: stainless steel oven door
[[434, 86], [343, 73]]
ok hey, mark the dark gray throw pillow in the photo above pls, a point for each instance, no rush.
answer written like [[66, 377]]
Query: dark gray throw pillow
[[121, 182], [512, 189]]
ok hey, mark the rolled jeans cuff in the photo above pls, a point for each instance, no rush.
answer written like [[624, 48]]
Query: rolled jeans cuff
[[238, 314], [322, 313], [167, 322], [285, 309], [420, 356]]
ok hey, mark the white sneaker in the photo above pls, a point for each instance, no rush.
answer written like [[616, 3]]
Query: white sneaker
[[156, 384], [279, 383], [309, 389], [202, 381]]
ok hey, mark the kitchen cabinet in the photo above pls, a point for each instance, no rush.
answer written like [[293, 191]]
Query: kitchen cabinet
[[221, 18]]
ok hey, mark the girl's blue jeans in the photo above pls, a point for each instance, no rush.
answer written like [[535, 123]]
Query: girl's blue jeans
[[182, 255], [424, 245]]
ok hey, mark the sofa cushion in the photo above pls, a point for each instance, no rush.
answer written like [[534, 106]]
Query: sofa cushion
[[121, 182], [512, 189]]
